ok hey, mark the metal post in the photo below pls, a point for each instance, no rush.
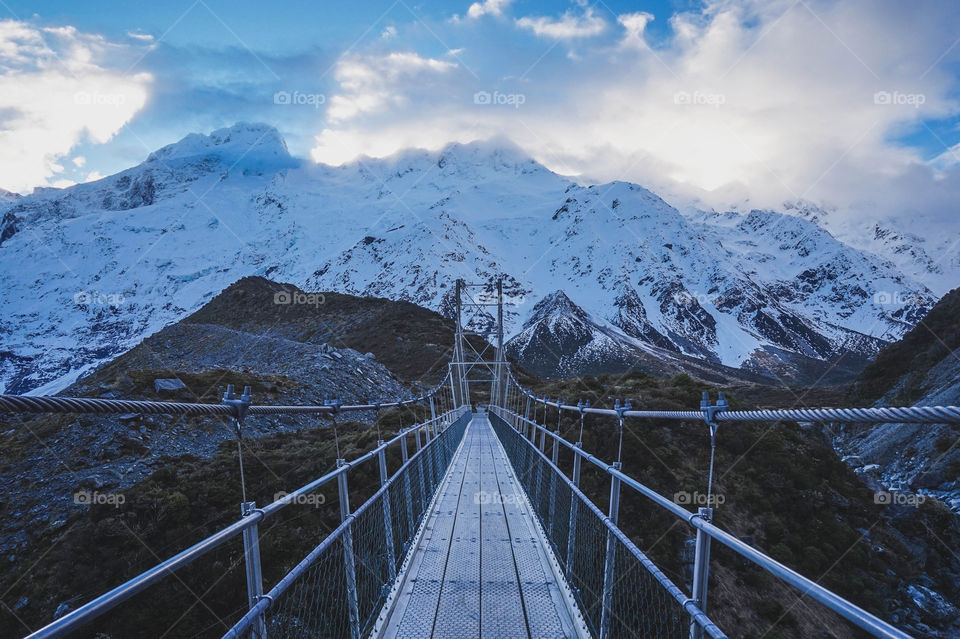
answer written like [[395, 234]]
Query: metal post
[[701, 571], [408, 496], [251, 555], [348, 560], [387, 519], [608, 564], [433, 410], [421, 466], [429, 454], [540, 465], [499, 375], [458, 344], [574, 504], [553, 484], [453, 376]]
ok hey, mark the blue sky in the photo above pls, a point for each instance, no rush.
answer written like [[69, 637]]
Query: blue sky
[[722, 100]]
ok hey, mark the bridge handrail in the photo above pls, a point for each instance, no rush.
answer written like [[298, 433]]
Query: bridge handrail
[[901, 414], [690, 605], [808, 587], [110, 599], [267, 600], [93, 405]]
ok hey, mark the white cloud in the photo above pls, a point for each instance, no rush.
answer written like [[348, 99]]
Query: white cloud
[[389, 32], [55, 92], [138, 35], [772, 100], [634, 25], [371, 84], [566, 27], [487, 7], [79, 161]]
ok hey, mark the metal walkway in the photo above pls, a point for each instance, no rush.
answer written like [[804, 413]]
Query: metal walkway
[[480, 567], [451, 544]]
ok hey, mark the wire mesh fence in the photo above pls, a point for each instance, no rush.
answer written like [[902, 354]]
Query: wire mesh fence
[[371, 558], [637, 602], [339, 589], [313, 606], [640, 606]]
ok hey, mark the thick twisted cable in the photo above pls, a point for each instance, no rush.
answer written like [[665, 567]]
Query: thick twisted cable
[[910, 414], [30, 404], [889, 415], [90, 405]]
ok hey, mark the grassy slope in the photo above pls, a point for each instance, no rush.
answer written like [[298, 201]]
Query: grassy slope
[[410, 340], [783, 486], [910, 358], [78, 559]]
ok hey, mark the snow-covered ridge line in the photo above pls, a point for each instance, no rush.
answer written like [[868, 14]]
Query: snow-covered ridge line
[[115, 260]]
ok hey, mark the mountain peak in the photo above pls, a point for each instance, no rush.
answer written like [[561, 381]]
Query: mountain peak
[[479, 159], [494, 152], [246, 144], [555, 304]]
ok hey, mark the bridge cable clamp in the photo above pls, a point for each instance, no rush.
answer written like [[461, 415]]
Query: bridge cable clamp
[[334, 404], [240, 405], [622, 409], [710, 410]]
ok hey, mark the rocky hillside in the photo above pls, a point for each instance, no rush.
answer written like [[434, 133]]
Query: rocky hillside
[[782, 488], [921, 369], [412, 342], [560, 339], [311, 348], [903, 373]]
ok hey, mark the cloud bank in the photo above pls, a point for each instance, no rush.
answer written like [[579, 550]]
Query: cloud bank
[[56, 90], [769, 101]]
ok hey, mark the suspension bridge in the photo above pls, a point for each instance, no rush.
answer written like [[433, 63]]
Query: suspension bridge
[[478, 531]]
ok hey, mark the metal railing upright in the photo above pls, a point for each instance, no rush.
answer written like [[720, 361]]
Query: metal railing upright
[[520, 434], [367, 547]]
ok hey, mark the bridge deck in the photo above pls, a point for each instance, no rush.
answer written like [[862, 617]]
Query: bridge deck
[[480, 568]]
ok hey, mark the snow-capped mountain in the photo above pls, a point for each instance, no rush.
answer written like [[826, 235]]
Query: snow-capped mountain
[[90, 270], [926, 252]]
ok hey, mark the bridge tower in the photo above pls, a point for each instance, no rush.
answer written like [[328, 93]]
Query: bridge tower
[[473, 304]]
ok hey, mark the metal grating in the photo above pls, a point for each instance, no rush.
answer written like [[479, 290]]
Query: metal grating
[[480, 569]]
